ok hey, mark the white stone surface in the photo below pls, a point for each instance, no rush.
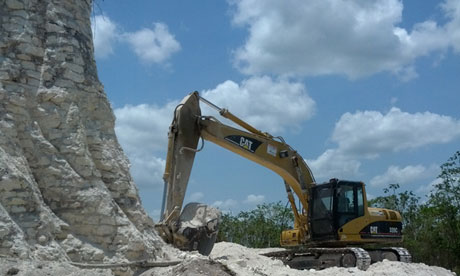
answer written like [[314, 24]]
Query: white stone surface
[[65, 189]]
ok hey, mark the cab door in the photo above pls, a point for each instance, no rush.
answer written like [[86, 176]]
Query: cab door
[[322, 213]]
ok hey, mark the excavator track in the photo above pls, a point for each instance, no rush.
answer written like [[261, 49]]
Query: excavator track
[[390, 253], [403, 254], [320, 258]]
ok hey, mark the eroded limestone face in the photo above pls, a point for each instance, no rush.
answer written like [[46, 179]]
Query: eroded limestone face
[[65, 188]]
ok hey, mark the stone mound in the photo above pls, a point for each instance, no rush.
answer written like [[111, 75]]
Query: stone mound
[[66, 193]]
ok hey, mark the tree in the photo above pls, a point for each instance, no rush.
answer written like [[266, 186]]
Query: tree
[[443, 213], [431, 229], [258, 228], [406, 203]]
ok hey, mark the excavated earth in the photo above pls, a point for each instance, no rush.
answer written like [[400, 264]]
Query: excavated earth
[[68, 204]]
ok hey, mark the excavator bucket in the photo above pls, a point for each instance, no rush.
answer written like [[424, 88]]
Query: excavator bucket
[[199, 225], [195, 228]]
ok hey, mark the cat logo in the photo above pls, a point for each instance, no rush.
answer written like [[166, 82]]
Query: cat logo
[[374, 229], [244, 142]]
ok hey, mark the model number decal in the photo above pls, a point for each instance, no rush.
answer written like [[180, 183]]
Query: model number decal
[[393, 230], [271, 150], [244, 142]]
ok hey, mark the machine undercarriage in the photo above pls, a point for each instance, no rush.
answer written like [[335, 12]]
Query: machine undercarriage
[[320, 258]]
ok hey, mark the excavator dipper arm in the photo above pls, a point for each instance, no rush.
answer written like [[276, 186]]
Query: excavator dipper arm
[[195, 228], [183, 139]]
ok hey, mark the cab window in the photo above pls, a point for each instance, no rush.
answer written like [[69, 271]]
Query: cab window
[[323, 203], [349, 202], [345, 199]]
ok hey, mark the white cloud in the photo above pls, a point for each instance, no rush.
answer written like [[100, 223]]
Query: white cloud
[[402, 176], [144, 128], [142, 131], [334, 164], [147, 170], [428, 188], [195, 197], [104, 35], [270, 105], [153, 45], [431, 187], [354, 38], [254, 199], [267, 104], [225, 205], [368, 134], [452, 11]]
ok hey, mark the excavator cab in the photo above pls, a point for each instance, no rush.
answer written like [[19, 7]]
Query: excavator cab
[[332, 205], [339, 215]]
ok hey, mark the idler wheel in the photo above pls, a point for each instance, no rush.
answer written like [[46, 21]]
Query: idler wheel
[[348, 260]]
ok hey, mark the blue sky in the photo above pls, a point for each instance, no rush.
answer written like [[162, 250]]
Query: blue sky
[[364, 90]]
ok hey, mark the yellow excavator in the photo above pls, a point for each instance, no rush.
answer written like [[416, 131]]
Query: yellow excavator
[[333, 224]]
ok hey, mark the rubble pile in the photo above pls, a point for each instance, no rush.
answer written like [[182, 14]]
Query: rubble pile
[[234, 259], [247, 261]]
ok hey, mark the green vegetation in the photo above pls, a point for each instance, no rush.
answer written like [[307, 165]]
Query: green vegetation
[[431, 226], [257, 228]]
